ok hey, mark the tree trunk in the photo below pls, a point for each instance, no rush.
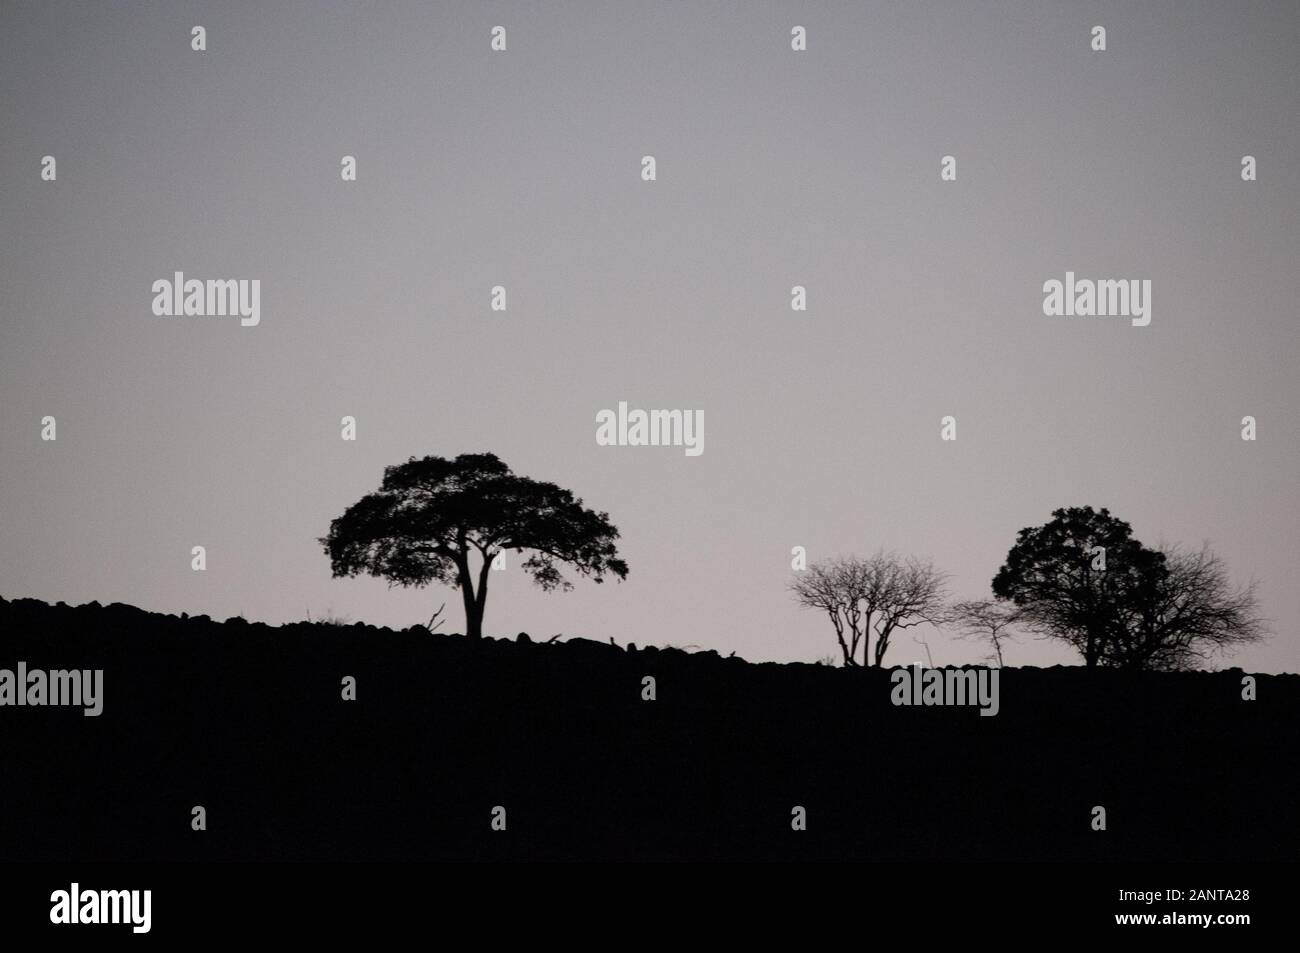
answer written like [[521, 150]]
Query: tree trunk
[[1091, 651], [473, 615], [473, 608], [480, 597], [473, 620]]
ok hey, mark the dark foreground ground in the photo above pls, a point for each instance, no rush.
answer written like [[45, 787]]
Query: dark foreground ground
[[248, 721]]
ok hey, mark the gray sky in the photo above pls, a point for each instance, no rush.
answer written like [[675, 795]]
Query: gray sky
[[523, 169]]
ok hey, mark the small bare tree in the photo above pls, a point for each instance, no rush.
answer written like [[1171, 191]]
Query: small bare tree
[[910, 591], [988, 621], [832, 586], [878, 594]]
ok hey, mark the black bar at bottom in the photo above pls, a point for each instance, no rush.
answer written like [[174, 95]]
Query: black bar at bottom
[[336, 902]]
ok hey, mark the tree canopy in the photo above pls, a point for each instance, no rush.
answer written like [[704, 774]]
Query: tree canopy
[[431, 517], [1084, 579]]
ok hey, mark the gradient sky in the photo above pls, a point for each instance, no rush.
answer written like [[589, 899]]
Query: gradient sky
[[522, 169]]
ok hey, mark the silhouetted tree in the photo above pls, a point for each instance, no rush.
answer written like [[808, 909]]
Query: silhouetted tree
[[861, 595], [988, 621], [431, 515], [831, 586], [1072, 576], [1190, 614], [1082, 578]]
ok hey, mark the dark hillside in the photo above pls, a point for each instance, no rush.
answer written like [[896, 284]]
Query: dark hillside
[[248, 721]]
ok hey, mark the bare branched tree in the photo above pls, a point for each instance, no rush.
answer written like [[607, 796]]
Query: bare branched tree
[[988, 621], [879, 594], [829, 586], [909, 592], [1187, 616]]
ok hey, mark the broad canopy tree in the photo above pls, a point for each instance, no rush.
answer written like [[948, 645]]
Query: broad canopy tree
[[1082, 578], [1072, 575], [432, 519]]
